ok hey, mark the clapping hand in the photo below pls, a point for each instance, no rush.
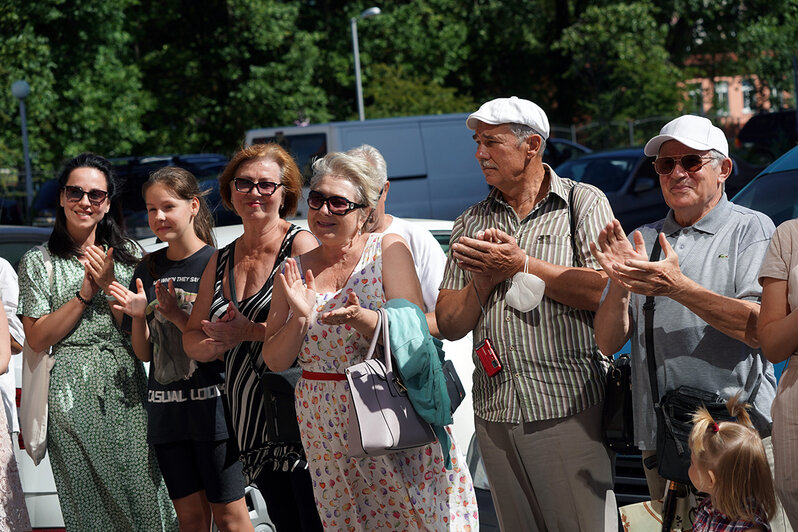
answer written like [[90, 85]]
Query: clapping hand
[[229, 330], [613, 250], [100, 265], [132, 304], [301, 295], [492, 257], [167, 301], [351, 311], [629, 266]]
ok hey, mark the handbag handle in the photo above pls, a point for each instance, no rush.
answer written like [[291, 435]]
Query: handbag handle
[[382, 328]]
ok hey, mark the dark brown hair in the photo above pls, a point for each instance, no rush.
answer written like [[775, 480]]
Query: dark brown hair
[[290, 176]]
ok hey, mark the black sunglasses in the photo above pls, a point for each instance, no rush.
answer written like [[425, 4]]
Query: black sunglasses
[[335, 204], [266, 188], [691, 163], [75, 194]]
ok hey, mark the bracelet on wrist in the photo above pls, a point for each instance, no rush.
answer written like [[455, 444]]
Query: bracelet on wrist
[[86, 302]]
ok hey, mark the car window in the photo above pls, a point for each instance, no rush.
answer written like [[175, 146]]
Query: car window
[[773, 194], [609, 174]]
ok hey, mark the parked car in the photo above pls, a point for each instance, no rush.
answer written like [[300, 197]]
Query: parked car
[[134, 172], [628, 179], [768, 134], [773, 191]]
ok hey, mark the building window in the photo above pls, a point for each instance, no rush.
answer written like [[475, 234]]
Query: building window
[[722, 98], [749, 96], [695, 95]]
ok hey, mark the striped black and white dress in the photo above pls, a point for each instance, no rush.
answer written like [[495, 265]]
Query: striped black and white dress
[[244, 365]]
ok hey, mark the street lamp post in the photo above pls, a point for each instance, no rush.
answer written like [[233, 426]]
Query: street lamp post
[[368, 13], [20, 89]]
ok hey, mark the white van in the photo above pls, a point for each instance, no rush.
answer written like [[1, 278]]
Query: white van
[[430, 159]]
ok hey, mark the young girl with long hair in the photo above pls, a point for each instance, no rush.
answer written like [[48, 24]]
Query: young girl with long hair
[[187, 426], [729, 464]]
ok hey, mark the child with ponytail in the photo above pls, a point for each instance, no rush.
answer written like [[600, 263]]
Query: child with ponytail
[[186, 423], [729, 464]]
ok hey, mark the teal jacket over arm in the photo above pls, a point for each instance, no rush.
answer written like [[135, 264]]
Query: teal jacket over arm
[[418, 361]]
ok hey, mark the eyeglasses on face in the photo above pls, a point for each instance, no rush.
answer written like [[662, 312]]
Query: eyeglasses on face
[[266, 188], [75, 194], [690, 162], [335, 204]]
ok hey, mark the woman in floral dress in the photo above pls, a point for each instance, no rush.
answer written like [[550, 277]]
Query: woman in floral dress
[[326, 320], [105, 473]]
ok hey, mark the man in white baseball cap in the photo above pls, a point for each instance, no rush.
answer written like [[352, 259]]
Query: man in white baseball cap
[[705, 283], [538, 386]]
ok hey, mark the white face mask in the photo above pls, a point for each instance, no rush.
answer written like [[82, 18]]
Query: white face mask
[[526, 290]]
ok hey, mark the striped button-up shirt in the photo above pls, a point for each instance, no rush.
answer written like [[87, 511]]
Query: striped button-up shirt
[[551, 366]]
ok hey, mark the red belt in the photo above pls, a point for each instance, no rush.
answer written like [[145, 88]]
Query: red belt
[[316, 376]]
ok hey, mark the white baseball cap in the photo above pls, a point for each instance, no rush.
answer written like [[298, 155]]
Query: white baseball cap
[[511, 110], [693, 131]]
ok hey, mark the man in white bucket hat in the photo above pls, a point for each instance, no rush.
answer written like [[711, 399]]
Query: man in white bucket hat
[[515, 280], [707, 304]]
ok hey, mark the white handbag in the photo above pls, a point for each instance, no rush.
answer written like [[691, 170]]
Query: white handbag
[[36, 368], [381, 418]]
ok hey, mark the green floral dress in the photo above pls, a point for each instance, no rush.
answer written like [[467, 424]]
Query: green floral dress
[[106, 475]]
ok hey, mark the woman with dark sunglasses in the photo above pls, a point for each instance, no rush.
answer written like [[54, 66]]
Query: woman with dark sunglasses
[[324, 313], [262, 184], [105, 472]]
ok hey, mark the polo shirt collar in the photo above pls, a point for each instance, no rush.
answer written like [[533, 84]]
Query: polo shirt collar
[[711, 223]]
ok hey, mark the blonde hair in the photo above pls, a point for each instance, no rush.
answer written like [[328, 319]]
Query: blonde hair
[[733, 451]]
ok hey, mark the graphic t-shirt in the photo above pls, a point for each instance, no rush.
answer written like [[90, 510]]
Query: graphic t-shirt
[[184, 399]]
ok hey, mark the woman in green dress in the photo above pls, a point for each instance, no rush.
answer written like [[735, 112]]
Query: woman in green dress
[[105, 473]]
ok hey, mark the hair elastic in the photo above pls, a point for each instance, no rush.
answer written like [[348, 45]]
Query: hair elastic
[[715, 427]]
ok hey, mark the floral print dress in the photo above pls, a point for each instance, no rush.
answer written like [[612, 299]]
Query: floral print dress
[[406, 490], [105, 473]]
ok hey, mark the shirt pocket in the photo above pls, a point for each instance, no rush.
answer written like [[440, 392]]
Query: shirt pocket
[[555, 249]]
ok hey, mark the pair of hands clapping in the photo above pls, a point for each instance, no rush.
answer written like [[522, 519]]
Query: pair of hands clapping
[[98, 266], [628, 265], [301, 296], [134, 304]]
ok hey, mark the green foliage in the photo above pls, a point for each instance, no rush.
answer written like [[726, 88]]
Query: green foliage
[[85, 92], [136, 77], [607, 47], [395, 93]]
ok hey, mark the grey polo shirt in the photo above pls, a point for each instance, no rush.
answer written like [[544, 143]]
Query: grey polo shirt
[[722, 252]]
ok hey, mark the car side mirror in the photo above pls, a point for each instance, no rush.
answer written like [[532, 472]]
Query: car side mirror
[[644, 184]]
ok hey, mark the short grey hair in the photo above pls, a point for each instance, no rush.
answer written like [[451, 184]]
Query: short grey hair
[[717, 158], [357, 170], [522, 131], [372, 156]]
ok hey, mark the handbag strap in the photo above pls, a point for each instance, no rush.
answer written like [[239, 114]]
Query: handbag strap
[[48, 263], [572, 224], [648, 310], [382, 328]]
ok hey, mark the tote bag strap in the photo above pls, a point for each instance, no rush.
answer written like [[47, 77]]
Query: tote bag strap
[[382, 328], [648, 310], [48, 263]]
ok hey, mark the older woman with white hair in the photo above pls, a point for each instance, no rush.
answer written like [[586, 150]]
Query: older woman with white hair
[[324, 311]]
